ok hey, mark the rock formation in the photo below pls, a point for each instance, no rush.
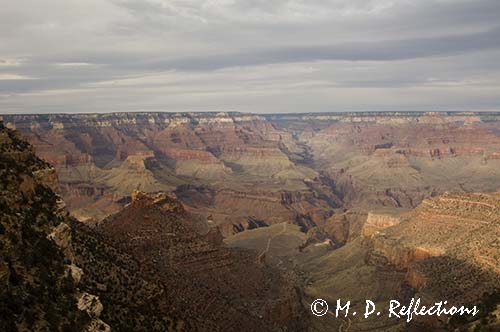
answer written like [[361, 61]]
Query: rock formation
[[377, 221]]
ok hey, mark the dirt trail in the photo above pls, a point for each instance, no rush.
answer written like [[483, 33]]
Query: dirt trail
[[271, 238]]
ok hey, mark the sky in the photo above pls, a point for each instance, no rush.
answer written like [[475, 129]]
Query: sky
[[260, 56]]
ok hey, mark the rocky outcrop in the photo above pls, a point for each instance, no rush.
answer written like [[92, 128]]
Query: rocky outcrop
[[90, 304], [61, 236], [93, 307], [416, 278], [236, 211], [378, 221], [337, 230], [97, 325], [76, 273]]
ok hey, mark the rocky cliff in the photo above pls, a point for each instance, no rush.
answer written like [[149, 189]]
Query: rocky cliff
[[453, 233], [448, 249], [345, 179]]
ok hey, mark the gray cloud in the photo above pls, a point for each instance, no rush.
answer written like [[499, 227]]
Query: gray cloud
[[365, 51], [261, 56]]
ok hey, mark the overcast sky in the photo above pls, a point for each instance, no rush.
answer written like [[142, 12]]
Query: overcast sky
[[249, 55]]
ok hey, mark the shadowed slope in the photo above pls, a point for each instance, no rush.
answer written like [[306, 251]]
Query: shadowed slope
[[218, 289]]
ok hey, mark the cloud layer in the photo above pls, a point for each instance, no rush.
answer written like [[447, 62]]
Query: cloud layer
[[249, 55]]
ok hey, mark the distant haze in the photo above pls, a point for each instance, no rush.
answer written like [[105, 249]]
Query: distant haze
[[258, 56]]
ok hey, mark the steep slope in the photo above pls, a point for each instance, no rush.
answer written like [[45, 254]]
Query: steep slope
[[454, 233], [218, 289], [38, 278], [132, 299]]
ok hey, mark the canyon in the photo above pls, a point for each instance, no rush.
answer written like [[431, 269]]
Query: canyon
[[298, 167], [57, 274], [237, 209]]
